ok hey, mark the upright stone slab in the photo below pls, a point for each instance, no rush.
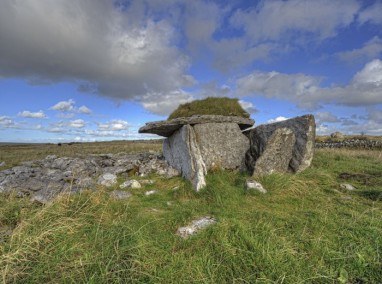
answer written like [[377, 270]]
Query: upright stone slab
[[221, 145], [277, 154], [304, 129], [182, 152]]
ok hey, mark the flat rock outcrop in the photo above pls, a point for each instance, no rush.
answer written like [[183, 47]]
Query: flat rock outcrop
[[167, 127], [270, 148], [44, 179]]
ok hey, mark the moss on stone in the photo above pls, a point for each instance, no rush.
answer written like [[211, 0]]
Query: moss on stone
[[210, 106]]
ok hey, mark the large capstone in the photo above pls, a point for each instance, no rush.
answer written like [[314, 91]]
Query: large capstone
[[276, 145], [167, 127]]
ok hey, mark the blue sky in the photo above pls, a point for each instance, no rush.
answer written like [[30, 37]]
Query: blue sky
[[98, 70]]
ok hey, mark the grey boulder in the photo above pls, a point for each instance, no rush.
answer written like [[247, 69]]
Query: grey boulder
[[276, 144]]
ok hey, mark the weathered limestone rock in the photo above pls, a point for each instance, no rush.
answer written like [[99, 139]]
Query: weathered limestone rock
[[277, 154], [182, 152], [221, 145], [167, 127], [107, 179], [303, 128], [130, 184], [196, 226], [252, 184]]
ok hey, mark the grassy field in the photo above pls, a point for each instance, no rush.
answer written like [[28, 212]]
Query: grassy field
[[304, 230]]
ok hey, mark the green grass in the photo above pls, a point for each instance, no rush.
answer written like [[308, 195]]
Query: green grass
[[216, 106], [302, 231]]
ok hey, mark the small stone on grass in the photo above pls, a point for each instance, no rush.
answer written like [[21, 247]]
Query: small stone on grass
[[150, 192], [347, 186], [130, 184], [252, 184], [195, 226], [118, 194]]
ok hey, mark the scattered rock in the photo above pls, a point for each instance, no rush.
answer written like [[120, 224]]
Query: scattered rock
[[44, 179], [277, 153], [130, 184], [347, 186], [252, 184], [107, 179], [2, 164], [303, 128], [150, 192], [195, 226], [119, 194], [167, 127]]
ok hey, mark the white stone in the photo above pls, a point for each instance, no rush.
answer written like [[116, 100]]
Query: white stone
[[252, 184], [347, 186], [130, 184], [107, 179], [195, 226], [150, 192]]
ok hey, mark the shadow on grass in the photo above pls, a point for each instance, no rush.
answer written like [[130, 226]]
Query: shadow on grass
[[375, 195]]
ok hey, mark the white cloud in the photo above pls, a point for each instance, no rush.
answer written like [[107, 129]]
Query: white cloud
[[164, 104], [326, 116], [78, 123], [64, 106], [5, 120], [114, 125], [248, 106], [305, 91], [371, 14], [84, 110], [118, 53], [28, 114], [277, 119], [369, 50], [275, 20]]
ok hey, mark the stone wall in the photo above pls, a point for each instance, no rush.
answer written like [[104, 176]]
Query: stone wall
[[351, 143]]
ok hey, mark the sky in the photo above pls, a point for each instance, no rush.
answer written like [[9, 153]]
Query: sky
[[93, 70]]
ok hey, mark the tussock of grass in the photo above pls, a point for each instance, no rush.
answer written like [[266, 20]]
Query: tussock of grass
[[301, 231], [216, 106]]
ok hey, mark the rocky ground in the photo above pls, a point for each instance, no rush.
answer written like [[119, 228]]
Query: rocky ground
[[43, 179]]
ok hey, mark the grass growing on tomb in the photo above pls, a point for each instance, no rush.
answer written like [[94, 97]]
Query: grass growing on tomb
[[216, 106], [302, 231]]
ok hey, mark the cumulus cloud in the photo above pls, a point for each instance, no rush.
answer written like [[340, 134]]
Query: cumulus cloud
[[371, 14], [275, 20], [78, 123], [248, 106], [84, 110], [28, 114], [6, 122], [119, 54], [326, 116], [306, 91], [114, 125], [64, 106], [277, 119], [164, 104], [371, 49]]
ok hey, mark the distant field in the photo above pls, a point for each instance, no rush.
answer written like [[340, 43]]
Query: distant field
[[306, 229], [13, 153]]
